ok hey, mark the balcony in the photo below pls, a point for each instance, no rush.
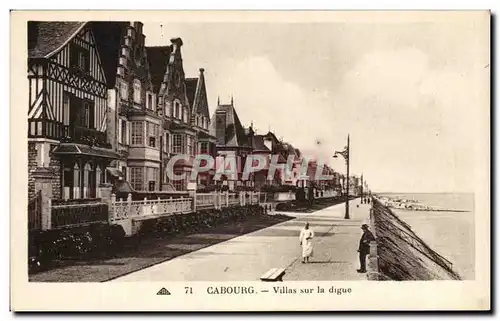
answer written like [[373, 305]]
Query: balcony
[[127, 110], [40, 128]]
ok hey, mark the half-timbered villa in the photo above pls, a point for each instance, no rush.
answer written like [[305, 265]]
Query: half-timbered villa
[[67, 115]]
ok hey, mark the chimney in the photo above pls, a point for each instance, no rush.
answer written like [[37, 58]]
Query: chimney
[[138, 27], [177, 44], [32, 34]]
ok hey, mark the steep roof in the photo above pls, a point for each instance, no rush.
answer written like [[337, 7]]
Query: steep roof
[[234, 132], [108, 36], [45, 37], [158, 59], [258, 144], [196, 93], [191, 84]]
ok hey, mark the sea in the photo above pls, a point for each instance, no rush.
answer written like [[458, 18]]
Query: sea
[[450, 234]]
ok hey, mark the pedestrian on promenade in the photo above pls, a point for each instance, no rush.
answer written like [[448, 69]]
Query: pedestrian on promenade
[[364, 247], [306, 236]]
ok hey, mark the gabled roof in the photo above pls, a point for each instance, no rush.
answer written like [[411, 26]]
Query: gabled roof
[[46, 37], [158, 59], [234, 132]]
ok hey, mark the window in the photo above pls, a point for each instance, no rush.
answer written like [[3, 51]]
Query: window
[[66, 101], [80, 58], [81, 112], [87, 115], [166, 143], [153, 175], [123, 90], [153, 130], [189, 145], [137, 91], [137, 133], [178, 183], [124, 172], [136, 178], [177, 143], [168, 109], [204, 148], [82, 61], [68, 176], [123, 138], [149, 101], [185, 116], [177, 109]]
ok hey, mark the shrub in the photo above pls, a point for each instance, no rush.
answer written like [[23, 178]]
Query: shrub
[[46, 247], [192, 222]]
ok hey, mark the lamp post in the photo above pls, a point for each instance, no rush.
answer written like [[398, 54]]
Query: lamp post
[[362, 190], [345, 155]]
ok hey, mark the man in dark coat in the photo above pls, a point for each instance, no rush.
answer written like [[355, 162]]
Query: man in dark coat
[[364, 247]]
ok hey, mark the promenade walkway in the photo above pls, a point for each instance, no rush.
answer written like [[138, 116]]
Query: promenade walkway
[[247, 257]]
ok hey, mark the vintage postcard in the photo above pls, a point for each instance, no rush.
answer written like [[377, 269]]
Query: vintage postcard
[[250, 161]]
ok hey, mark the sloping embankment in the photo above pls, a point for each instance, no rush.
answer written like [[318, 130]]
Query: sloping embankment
[[402, 255]]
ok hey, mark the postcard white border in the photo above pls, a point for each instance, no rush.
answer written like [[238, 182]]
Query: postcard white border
[[430, 295]]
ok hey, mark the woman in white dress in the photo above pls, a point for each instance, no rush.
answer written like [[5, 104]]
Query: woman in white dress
[[306, 236]]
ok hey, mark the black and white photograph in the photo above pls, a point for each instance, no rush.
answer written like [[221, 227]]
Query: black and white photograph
[[258, 152]]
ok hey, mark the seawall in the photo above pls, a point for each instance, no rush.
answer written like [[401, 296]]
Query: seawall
[[399, 254]]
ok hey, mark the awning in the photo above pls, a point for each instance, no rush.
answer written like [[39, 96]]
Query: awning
[[114, 172], [74, 149]]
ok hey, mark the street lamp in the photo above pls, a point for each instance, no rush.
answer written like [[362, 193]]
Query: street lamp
[[345, 154]]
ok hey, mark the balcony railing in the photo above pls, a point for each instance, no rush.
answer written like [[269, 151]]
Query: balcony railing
[[42, 128], [46, 129]]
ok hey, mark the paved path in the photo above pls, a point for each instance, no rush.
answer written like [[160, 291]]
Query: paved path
[[247, 257]]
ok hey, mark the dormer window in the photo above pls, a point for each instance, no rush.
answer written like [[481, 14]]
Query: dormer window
[[137, 91], [150, 101], [123, 90], [177, 110], [80, 58]]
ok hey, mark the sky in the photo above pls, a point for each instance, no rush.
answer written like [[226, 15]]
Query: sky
[[408, 94]]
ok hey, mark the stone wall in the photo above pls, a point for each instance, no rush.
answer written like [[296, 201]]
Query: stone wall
[[33, 164], [400, 254], [55, 164]]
